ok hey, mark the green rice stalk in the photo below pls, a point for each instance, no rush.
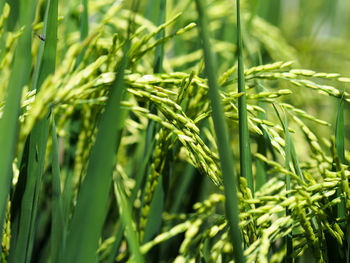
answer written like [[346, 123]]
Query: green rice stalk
[[226, 157], [90, 210], [295, 161], [159, 52], [288, 142], [9, 121], [262, 141], [15, 15], [157, 205], [339, 145], [84, 28], [155, 211], [155, 172], [261, 177], [58, 228], [130, 231], [22, 249], [271, 11], [339, 131], [150, 11], [244, 144], [84, 23], [139, 178]]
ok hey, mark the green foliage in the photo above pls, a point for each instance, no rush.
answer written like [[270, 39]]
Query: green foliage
[[119, 124], [225, 153]]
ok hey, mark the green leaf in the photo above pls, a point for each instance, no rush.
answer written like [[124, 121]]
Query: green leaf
[[339, 131], [9, 122], [58, 229], [22, 247], [90, 210], [84, 28], [157, 204], [244, 142], [130, 231], [287, 150], [225, 153]]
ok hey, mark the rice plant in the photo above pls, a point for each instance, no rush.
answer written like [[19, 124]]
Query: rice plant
[[174, 131]]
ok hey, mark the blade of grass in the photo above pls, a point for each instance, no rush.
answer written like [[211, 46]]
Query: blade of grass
[[9, 121], [84, 23], [15, 14], [270, 11], [84, 28], [244, 144], [339, 145], [4, 14], [157, 205], [295, 161], [130, 232], [139, 180], [289, 237], [348, 239], [287, 149], [22, 248], [90, 210], [262, 141], [68, 192], [184, 186], [339, 131], [159, 52], [260, 178], [150, 12], [154, 217], [58, 225], [39, 135], [225, 153]]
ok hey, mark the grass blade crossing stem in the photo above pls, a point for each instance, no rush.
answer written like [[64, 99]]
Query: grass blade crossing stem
[[153, 222], [244, 144], [46, 62], [9, 121], [84, 28], [58, 225], [288, 150], [90, 211], [225, 153]]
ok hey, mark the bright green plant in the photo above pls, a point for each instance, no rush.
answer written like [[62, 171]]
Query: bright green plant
[[120, 124]]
